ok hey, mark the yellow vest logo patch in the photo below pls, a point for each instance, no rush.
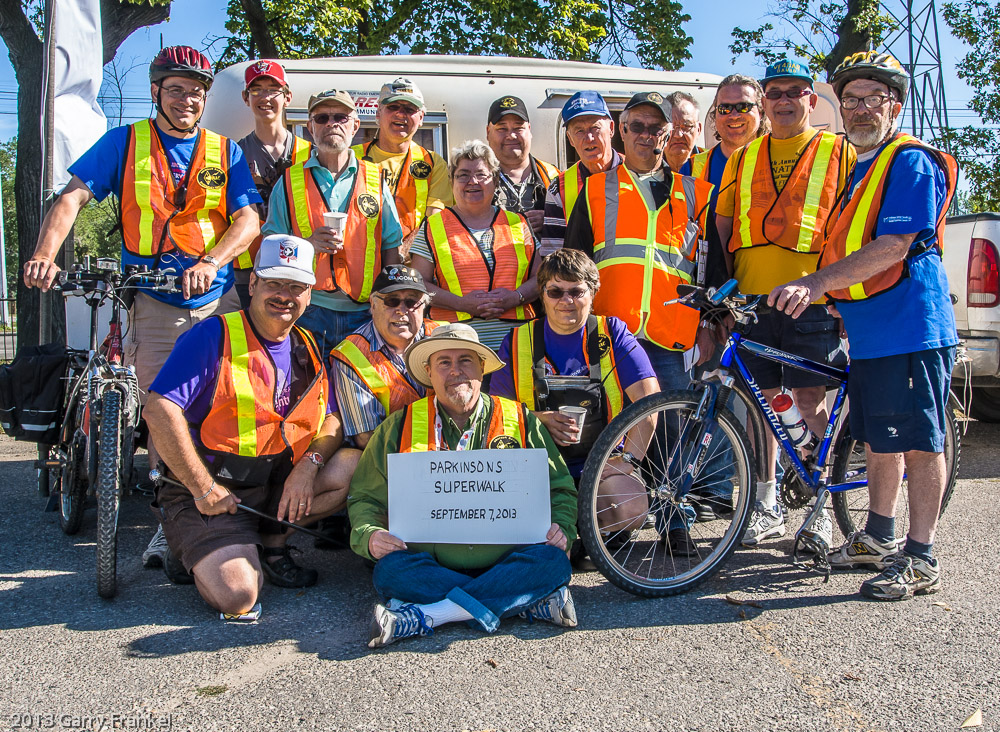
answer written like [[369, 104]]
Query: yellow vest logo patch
[[420, 170], [504, 442], [211, 177], [368, 205], [603, 344]]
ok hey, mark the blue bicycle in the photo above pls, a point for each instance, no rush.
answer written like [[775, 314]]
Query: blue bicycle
[[699, 468]]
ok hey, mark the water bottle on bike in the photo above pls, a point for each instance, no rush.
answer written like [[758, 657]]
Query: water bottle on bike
[[796, 427]]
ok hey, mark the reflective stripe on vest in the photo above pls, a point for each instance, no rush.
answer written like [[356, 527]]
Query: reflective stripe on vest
[[699, 165], [411, 193], [143, 184], [546, 171], [246, 421], [570, 185], [506, 420], [460, 267]]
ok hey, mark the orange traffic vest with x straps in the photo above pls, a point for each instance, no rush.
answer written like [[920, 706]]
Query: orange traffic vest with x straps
[[459, 266], [243, 421], [506, 426], [412, 187], [643, 255], [795, 218], [354, 267], [855, 226], [379, 374], [301, 149], [156, 216]]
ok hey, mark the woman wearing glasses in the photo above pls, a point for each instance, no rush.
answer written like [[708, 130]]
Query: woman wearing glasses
[[477, 259]]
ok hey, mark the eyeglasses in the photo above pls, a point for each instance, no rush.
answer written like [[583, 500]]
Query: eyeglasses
[[742, 107], [323, 118], [638, 128], [557, 293], [684, 130], [179, 92], [408, 303], [273, 287], [872, 101], [793, 93], [265, 93], [477, 177]]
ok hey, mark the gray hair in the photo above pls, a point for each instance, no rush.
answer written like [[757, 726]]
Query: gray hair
[[758, 98], [681, 96], [473, 150]]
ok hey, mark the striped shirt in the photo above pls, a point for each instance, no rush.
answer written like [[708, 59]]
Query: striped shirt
[[554, 228]]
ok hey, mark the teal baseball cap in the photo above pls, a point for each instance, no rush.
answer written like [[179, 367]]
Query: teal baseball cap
[[786, 69]]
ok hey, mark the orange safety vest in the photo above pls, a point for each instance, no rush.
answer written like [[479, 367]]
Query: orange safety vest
[[459, 266], [301, 150], [506, 426], [701, 163], [152, 224], [354, 267], [855, 227], [243, 423], [795, 218], [546, 172], [642, 255], [377, 371], [412, 187], [528, 361]]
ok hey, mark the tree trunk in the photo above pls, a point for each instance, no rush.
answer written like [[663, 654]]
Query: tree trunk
[[260, 34], [849, 38]]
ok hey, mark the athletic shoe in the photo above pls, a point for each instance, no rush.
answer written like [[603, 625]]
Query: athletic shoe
[[863, 551], [764, 523], [156, 551], [250, 616], [284, 572], [821, 531], [679, 543], [557, 608], [905, 577], [388, 626], [175, 571]]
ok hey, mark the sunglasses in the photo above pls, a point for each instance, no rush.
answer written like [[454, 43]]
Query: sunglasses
[[741, 107], [557, 293], [638, 128], [323, 118], [409, 303], [793, 93]]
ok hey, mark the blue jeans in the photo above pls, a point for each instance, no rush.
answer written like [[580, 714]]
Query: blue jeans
[[716, 477], [520, 579], [330, 327]]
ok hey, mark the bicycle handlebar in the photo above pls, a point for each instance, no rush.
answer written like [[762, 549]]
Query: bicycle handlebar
[[726, 297], [103, 280]]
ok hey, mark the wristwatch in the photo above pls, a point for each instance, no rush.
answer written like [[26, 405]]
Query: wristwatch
[[315, 458], [209, 259]]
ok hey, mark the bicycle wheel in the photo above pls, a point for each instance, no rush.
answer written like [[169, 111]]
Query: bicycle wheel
[[640, 559], [72, 485], [108, 493], [851, 507]]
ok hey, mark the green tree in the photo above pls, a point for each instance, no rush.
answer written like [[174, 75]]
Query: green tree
[[818, 33], [648, 30], [8, 156], [977, 22]]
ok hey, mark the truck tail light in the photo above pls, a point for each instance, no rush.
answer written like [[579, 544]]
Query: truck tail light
[[984, 274]]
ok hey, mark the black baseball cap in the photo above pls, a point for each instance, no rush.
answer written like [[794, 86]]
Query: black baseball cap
[[507, 105], [654, 99], [397, 277]]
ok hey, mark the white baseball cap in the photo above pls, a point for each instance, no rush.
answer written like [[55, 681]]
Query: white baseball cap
[[285, 257]]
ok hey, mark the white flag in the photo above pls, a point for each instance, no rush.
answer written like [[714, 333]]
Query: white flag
[[77, 71]]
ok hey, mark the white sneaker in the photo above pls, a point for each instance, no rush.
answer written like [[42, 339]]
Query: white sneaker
[[156, 551], [557, 608], [821, 531], [764, 523], [863, 551]]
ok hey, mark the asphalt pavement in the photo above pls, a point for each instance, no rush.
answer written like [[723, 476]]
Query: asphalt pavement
[[804, 655]]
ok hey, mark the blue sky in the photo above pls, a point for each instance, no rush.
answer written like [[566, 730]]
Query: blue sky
[[195, 21]]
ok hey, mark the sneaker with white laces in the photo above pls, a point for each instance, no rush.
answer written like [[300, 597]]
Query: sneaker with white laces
[[557, 608], [821, 531], [905, 577], [764, 523], [388, 626], [863, 551], [156, 551]]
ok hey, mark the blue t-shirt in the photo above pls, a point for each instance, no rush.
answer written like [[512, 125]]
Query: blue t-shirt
[[189, 376], [915, 315], [716, 167], [102, 168]]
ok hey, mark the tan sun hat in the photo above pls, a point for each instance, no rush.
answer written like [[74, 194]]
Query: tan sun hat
[[444, 338]]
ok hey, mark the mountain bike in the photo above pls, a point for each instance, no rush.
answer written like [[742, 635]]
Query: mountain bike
[[709, 446]]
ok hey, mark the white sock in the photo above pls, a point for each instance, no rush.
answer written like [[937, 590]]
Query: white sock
[[767, 493], [444, 611]]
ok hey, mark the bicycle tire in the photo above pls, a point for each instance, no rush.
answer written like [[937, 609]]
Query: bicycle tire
[[108, 493], [851, 507], [72, 486], [630, 560]]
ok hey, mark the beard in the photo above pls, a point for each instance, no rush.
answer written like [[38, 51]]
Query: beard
[[870, 136]]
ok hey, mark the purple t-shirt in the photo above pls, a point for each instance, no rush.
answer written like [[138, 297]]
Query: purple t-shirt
[[189, 375], [564, 356]]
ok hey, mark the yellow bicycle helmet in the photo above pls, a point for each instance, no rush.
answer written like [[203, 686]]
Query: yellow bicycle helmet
[[877, 65]]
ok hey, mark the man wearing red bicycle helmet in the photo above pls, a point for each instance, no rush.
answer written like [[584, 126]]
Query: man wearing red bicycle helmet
[[186, 200]]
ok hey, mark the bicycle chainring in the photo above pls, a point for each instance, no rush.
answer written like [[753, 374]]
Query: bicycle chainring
[[794, 493]]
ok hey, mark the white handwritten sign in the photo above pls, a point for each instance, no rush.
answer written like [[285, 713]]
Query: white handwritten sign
[[470, 496]]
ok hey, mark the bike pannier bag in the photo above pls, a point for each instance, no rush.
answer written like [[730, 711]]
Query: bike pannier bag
[[32, 391]]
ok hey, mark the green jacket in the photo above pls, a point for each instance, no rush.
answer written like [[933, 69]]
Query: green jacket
[[368, 501]]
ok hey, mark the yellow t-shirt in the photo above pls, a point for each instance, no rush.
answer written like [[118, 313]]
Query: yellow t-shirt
[[760, 269], [438, 186]]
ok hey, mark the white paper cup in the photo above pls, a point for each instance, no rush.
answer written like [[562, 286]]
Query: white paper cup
[[577, 414], [335, 220]]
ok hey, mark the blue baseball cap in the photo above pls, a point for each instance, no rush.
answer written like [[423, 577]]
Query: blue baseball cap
[[787, 69], [585, 102]]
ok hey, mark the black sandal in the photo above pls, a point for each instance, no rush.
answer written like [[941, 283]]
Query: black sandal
[[283, 572]]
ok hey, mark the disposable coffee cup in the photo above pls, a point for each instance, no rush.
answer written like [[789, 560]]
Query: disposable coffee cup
[[577, 414], [335, 220]]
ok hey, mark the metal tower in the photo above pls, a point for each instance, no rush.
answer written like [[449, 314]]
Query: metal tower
[[916, 44]]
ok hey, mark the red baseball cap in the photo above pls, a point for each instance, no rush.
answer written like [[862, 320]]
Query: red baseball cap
[[264, 68]]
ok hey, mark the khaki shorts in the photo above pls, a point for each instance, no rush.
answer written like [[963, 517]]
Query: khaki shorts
[[154, 327]]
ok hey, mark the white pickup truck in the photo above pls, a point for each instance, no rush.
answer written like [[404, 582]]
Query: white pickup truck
[[972, 261]]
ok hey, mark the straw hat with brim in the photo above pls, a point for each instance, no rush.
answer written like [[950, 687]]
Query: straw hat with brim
[[448, 337]]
